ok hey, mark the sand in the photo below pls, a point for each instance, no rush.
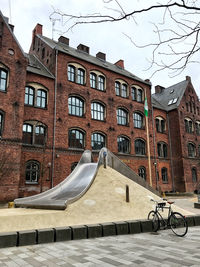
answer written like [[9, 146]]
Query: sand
[[105, 201]]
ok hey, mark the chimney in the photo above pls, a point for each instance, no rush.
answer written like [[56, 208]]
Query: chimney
[[101, 55], [83, 48], [12, 27], [120, 63], [37, 30], [159, 89], [63, 40], [188, 78]]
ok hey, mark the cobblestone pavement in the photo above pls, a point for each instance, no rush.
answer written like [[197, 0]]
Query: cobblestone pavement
[[147, 249]]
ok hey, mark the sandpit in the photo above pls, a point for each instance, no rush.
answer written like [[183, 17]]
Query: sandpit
[[105, 201]]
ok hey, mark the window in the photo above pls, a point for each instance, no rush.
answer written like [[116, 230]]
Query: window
[[32, 172], [97, 141], [41, 98], [101, 83], [29, 96], [137, 94], [133, 93], [81, 76], [34, 133], [117, 88], [75, 106], [76, 139], [27, 134], [122, 116], [40, 135], [164, 175], [123, 144], [160, 125], [3, 79], [97, 81], [93, 80], [76, 73], [197, 124], [139, 147], [199, 151], [191, 150], [97, 111], [194, 175], [121, 89], [138, 120], [162, 150], [188, 125], [1, 123], [71, 73], [142, 172]]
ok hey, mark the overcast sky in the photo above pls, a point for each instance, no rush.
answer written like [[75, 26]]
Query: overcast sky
[[108, 38]]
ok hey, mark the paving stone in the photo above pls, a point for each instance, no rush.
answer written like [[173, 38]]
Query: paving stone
[[134, 227], [8, 239], [27, 237], [109, 229], [190, 220], [63, 233], [122, 228], [79, 232], [146, 226], [197, 220], [45, 236], [95, 230]]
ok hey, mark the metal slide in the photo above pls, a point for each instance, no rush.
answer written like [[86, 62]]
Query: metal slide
[[68, 191], [79, 181]]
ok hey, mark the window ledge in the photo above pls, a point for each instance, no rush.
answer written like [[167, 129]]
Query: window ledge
[[3, 91], [98, 120], [77, 116], [30, 183], [76, 149]]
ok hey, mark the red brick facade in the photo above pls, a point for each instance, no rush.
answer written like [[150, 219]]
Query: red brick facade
[[44, 74]]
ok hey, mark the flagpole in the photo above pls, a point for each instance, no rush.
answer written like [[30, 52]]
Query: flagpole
[[148, 143]]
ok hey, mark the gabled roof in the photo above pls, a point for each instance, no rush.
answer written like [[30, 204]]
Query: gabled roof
[[91, 59], [170, 97], [35, 66], [11, 32]]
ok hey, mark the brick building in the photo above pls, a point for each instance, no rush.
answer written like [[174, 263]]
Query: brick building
[[57, 101]]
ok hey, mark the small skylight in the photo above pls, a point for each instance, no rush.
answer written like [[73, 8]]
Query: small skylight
[[171, 92], [175, 100], [172, 101]]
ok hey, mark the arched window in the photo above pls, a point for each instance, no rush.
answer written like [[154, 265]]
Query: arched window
[[138, 120], [160, 125], [93, 80], [71, 73], [122, 116], [164, 175], [81, 76], [76, 138], [97, 111], [162, 150], [41, 98], [29, 95], [188, 125], [142, 172], [140, 147], [123, 144], [124, 91], [101, 83], [97, 141], [34, 133], [3, 79], [137, 93], [191, 150], [1, 122], [194, 175], [32, 172], [27, 134], [121, 88], [75, 106]]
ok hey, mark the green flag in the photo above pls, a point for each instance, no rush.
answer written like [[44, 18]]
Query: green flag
[[145, 107]]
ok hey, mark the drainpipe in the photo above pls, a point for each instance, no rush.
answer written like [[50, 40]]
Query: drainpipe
[[154, 150], [54, 120], [171, 161]]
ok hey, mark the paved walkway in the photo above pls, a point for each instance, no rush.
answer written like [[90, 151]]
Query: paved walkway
[[148, 249]]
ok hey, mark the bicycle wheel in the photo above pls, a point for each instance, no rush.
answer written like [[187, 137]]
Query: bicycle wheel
[[178, 224], [152, 216]]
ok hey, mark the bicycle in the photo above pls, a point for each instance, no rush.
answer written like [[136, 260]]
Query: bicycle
[[175, 220]]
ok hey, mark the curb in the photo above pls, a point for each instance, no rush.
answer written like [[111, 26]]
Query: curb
[[40, 236]]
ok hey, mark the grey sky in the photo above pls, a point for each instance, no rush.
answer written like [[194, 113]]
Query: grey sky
[[107, 37]]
